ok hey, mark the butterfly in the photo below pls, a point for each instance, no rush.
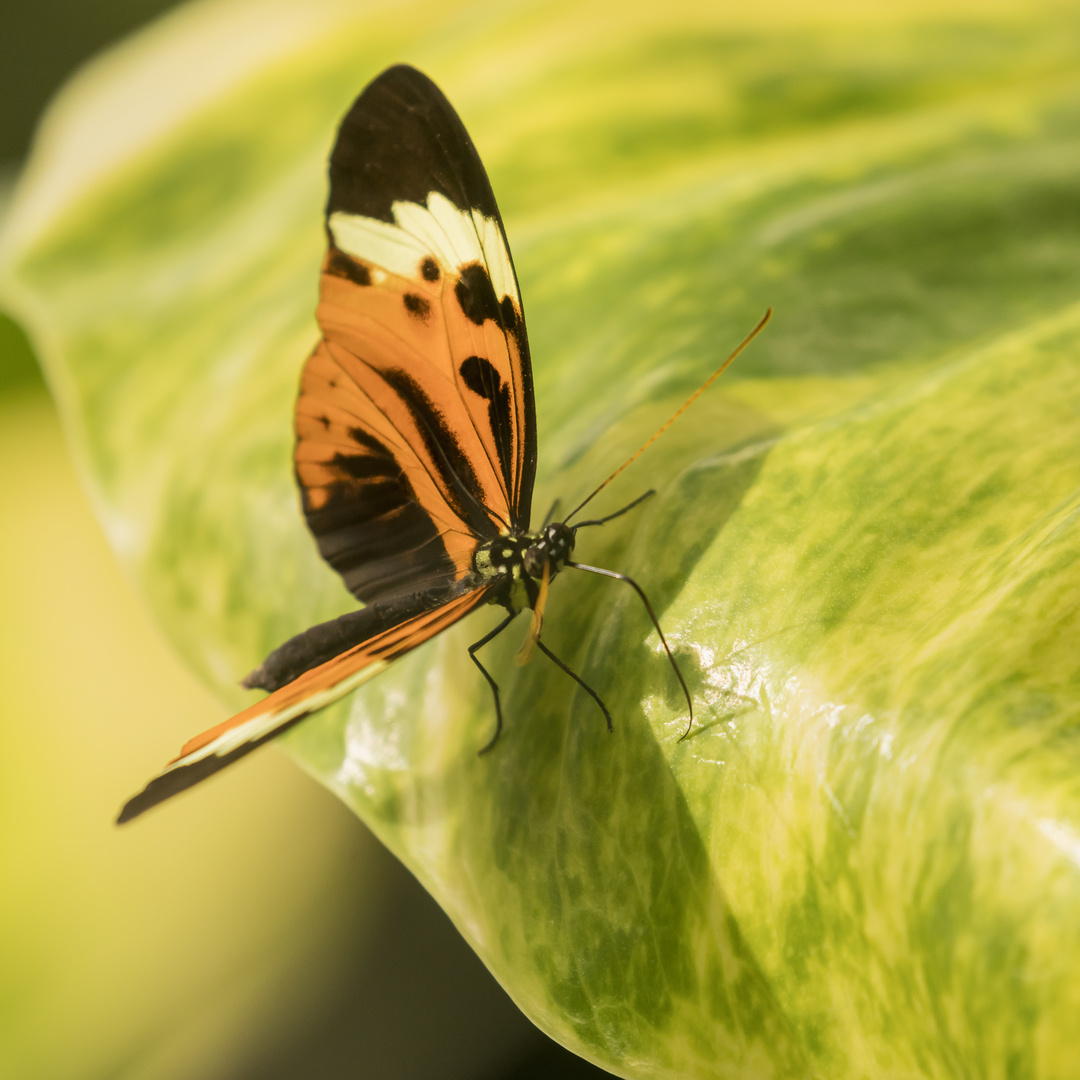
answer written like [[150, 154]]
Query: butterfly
[[415, 448]]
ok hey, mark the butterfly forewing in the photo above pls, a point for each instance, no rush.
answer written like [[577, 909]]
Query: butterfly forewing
[[420, 395]]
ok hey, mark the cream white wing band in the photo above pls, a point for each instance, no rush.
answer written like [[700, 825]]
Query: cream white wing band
[[258, 726], [453, 237]]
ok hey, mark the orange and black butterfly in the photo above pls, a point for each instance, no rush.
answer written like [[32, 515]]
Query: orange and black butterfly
[[415, 426]]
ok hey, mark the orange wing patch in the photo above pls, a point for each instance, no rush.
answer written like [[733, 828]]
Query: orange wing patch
[[411, 420]]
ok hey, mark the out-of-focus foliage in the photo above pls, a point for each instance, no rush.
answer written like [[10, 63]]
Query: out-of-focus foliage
[[19, 370], [864, 859], [40, 46]]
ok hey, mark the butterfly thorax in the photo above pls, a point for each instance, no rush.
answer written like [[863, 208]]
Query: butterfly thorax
[[519, 559]]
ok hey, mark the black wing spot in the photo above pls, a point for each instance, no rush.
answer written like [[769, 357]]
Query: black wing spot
[[429, 269], [325, 421], [509, 315], [417, 306], [476, 295], [340, 265], [482, 378], [375, 460]]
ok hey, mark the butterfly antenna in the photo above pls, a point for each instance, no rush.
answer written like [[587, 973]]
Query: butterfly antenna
[[678, 412]]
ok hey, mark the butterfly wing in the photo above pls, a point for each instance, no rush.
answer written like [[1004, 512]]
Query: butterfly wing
[[368, 641], [416, 429]]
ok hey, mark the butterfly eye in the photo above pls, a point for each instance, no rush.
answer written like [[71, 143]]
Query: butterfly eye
[[533, 560]]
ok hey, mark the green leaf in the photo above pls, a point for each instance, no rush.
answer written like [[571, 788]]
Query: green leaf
[[863, 860]]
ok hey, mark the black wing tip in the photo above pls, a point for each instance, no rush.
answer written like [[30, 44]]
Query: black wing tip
[[146, 799], [177, 779], [167, 784], [403, 71], [157, 790], [404, 76], [181, 777], [400, 140]]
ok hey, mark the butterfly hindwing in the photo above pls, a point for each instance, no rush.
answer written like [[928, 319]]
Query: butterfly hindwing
[[368, 640], [416, 431]]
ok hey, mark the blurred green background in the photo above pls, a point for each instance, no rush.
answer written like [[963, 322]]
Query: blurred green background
[[255, 931]]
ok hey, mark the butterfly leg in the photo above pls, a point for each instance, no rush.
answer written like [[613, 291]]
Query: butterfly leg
[[578, 679], [655, 621], [487, 675]]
